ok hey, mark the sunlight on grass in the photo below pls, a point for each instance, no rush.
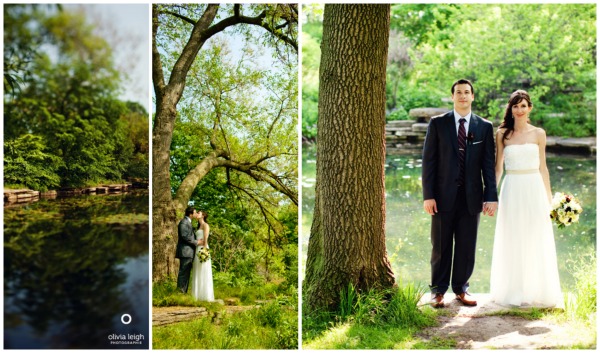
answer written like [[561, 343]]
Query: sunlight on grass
[[334, 337]]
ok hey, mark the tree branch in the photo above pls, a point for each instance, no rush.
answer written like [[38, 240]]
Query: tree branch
[[182, 17], [271, 179], [157, 70], [258, 21]]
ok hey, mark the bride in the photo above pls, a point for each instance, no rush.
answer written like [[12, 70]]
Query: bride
[[524, 263], [202, 282]]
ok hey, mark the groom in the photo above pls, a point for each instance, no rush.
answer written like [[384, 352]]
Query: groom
[[459, 182], [186, 248]]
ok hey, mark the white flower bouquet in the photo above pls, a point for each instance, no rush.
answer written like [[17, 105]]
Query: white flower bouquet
[[565, 209], [203, 254]]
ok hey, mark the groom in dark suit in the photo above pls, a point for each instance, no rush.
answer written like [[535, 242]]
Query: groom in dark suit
[[186, 248], [459, 181]]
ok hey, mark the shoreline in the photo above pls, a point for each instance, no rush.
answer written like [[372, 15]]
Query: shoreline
[[18, 197]]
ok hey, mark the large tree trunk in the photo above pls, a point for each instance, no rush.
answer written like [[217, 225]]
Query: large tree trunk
[[347, 242], [164, 219]]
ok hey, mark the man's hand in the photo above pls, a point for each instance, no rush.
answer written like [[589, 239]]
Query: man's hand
[[430, 206], [489, 208]]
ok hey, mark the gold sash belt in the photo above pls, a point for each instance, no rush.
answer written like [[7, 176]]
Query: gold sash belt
[[523, 171]]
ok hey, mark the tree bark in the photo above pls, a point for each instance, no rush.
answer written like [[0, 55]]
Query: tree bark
[[347, 241]]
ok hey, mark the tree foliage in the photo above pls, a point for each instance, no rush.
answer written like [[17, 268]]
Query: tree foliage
[[27, 163], [68, 96], [546, 49], [225, 80]]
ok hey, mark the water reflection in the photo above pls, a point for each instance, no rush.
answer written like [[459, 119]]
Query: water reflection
[[408, 226], [73, 267]]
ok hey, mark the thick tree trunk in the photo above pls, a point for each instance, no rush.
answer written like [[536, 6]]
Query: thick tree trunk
[[164, 219], [347, 242]]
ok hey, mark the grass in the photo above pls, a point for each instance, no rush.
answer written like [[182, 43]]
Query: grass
[[436, 343], [273, 326], [392, 319], [378, 319], [580, 305]]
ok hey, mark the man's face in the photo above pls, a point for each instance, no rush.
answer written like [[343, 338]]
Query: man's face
[[195, 215], [462, 96]]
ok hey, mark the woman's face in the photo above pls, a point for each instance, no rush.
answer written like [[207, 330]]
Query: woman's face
[[521, 110]]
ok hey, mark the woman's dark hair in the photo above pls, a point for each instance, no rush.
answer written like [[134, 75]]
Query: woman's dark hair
[[509, 121], [205, 215], [463, 81]]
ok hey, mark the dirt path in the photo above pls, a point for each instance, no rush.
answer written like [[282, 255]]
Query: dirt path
[[473, 328]]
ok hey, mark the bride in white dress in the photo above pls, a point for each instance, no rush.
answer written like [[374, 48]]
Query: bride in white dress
[[524, 263], [202, 282]]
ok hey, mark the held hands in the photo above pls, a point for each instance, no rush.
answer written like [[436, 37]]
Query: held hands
[[489, 208]]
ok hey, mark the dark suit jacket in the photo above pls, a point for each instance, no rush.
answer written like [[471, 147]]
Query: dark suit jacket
[[441, 165], [186, 241]]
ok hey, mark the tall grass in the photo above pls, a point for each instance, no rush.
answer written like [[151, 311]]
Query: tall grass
[[580, 304], [392, 315]]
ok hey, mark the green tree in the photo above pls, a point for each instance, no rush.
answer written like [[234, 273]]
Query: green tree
[[28, 163], [68, 96], [546, 49], [255, 143]]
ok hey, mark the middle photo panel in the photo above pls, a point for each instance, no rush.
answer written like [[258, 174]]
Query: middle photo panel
[[225, 176]]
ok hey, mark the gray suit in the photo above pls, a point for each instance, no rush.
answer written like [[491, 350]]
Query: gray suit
[[186, 250]]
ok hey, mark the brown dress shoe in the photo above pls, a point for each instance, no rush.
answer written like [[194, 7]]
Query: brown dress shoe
[[463, 299], [437, 301]]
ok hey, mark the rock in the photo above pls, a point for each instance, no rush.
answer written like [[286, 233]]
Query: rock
[[399, 123], [232, 301], [426, 113], [551, 140], [170, 315], [420, 127], [50, 194], [577, 142]]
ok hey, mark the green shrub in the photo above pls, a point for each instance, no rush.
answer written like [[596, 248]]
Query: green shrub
[[27, 162]]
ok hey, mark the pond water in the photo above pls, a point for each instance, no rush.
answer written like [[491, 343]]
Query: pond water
[[408, 226], [73, 268]]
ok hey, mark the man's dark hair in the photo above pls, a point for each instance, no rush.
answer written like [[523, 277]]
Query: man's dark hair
[[463, 81], [189, 211]]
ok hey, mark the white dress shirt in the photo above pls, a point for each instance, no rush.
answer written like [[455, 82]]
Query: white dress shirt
[[457, 118]]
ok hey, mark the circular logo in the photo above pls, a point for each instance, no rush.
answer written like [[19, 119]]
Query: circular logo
[[126, 319]]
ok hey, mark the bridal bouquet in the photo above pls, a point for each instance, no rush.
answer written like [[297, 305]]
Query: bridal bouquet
[[203, 254], [565, 209]]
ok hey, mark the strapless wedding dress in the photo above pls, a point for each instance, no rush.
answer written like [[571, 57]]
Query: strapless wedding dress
[[202, 281], [524, 264]]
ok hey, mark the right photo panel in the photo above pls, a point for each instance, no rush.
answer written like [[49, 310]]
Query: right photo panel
[[225, 173], [448, 176]]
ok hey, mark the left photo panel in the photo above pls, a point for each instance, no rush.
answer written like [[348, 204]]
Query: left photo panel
[[76, 172]]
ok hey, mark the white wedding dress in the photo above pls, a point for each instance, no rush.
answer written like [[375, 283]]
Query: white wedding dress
[[524, 263], [202, 281]]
